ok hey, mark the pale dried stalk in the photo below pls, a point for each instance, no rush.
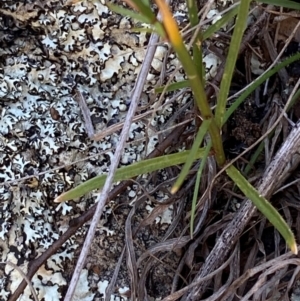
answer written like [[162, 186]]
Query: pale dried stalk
[[112, 129], [266, 268], [85, 113], [108, 131], [102, 197], [24, 276]]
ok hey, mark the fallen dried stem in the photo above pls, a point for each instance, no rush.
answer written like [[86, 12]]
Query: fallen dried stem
[[285, 161]]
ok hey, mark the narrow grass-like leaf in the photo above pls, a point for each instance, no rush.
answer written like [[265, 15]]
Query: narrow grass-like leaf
[[263, 206], [197, 185], [192, 12], [127, 12], [283, 3], [143, 7], [197, 47], [127, 172], [294, 99], [149, 19], [254, 158], [220, 23], [173, 86], [189, 161], [257, 83], [142, 29], [231, 60], [196, 82]]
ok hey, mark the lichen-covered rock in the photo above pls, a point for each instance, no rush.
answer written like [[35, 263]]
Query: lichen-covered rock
[[48, 49]]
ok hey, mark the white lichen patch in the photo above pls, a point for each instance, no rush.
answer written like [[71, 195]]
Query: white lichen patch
[[166, 216], [102, 285], [213, 13], [47, 49], [225, 2], [3, 292], [83, 292], [257, 67], [211, 62], [70, 45]]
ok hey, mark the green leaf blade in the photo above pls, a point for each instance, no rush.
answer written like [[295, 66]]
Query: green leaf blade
[[197, 185], [128, 172], [173, 87], [231, 60], [188, 163], [264, 207], [283, 3]]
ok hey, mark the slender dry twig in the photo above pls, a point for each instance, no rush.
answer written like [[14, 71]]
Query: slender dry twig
[[79, 221], [273, 55], [113, 128], [102, 197], [24, 276], [181, 292], [111, 286], [268, 268], [85, 113]]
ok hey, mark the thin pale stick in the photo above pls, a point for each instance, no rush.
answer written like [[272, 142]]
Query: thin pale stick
[[35, 297], [112, 129], [85, 113], [102, 197]]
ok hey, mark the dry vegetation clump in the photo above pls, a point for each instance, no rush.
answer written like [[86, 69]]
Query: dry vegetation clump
[[67, 71]]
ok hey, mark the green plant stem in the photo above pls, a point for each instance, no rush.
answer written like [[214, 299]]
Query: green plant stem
[[197, 86], [188, 163], [197, 49], [202, 103], [197, 185], [231, 60]]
